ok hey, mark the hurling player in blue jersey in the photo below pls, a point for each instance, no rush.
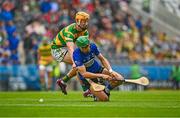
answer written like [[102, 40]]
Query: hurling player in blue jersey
[[89, 68]]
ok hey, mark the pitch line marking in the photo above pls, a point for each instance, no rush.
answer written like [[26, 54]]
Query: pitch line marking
[[77, 105]]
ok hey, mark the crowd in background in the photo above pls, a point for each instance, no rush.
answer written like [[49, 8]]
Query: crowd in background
[[118, 33]]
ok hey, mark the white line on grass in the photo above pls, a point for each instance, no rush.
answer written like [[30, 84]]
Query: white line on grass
[[84, 105], [76, 100], [41, 104], [35, 99], [95, 117]]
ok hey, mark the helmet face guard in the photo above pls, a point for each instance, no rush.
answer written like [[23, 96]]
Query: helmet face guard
[[82, 20]]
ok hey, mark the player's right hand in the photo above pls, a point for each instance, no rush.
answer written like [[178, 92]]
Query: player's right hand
[[107, 77], [73, 65]]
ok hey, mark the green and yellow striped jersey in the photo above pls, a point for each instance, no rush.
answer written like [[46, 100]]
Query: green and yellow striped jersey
[[44, 52], [68, 34]]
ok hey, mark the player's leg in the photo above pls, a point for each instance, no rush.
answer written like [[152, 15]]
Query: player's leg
[[62, 82], [100, 95], [49, 69], [60, 54], [84, 83], [42, 76], [63, 55], [72, 72]]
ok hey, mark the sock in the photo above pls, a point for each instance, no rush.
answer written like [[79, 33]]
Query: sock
[[66, 79], [109, 87], [84, 87]]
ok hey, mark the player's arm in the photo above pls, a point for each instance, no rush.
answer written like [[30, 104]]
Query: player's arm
[[70, 45], [82, 69], [105, 62], [107, 65], [85, 74]]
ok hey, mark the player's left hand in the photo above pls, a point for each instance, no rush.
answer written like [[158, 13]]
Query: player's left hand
[[116, 75], [106, 77]]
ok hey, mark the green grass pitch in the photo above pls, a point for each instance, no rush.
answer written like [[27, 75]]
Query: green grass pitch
[[121, 104]]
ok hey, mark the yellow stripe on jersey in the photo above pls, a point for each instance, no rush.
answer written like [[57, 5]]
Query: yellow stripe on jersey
[[62, 38], [61, 34], [66, 30], [58, 42]]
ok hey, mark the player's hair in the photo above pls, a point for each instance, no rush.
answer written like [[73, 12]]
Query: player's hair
[[81, 16]]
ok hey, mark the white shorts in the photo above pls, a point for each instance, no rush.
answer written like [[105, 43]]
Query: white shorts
[[59, 53], [47, 68]]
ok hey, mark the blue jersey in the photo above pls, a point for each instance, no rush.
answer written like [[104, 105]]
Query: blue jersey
[[88, 60]]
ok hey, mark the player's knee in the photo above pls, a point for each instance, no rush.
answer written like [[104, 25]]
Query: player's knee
[[104, 99]]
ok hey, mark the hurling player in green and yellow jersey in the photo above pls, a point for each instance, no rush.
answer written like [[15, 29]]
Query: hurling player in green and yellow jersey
[[62, 46]]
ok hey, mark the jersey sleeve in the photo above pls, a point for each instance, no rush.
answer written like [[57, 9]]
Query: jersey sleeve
[[77, 58], [95, 49]]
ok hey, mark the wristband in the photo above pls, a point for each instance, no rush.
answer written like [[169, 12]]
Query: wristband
[[110, 70]]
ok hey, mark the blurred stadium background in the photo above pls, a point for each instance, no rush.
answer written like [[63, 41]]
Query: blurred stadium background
[[139, 37]]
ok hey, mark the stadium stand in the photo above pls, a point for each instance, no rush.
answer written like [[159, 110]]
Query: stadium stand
[[172, 6]]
